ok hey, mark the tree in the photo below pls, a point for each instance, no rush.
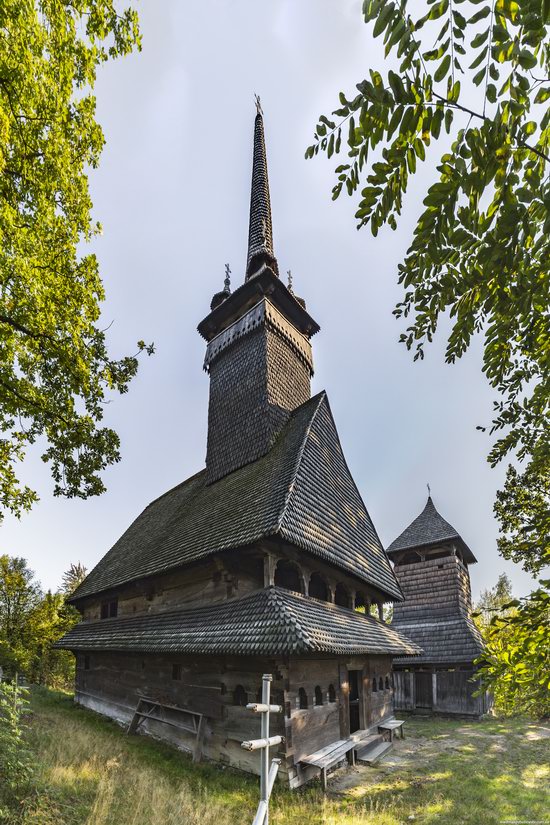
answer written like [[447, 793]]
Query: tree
[[73, 577], [516, 662], [493, 600], [55, 367], [523, 510], [20, 596], [31, 622], [481, 246]]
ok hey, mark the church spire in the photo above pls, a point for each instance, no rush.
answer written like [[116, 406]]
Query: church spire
[[260, 233]]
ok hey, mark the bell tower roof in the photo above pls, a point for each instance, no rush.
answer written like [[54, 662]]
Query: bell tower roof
[[429, 529]]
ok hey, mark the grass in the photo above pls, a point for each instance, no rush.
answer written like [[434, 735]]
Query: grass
[[90, 773]]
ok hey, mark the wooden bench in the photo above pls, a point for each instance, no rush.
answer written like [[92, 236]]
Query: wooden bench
[[391, 726], [330, 755], [190, 721]]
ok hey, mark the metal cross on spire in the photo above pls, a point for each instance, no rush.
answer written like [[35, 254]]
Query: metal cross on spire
[[257, 101], [429, 491], [227, 281], [289, 273]]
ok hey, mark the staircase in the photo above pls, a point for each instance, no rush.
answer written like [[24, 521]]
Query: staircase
[[372, 748]]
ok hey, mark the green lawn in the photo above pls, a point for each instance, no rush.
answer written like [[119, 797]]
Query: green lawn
[[444, 772]]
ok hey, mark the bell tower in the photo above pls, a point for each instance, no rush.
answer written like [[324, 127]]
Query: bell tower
[[258, 353]]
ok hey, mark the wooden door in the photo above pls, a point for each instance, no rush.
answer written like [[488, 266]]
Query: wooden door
[[355, 681], [423, 689]]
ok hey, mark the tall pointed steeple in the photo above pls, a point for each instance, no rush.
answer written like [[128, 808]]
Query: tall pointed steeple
[[259, 354], [260, 231]]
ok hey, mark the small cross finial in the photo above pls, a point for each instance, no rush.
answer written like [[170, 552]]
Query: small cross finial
[[429, 491], [259, 109], [227, 281], [289, 273]]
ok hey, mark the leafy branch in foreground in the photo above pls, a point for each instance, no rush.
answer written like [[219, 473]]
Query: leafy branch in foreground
[[55, 367], [481, 246]]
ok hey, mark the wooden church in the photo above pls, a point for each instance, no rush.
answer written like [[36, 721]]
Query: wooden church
[[256, 564], [431, 562]]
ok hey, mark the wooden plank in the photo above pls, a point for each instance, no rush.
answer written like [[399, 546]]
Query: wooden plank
[[133, 726], [197, 751]]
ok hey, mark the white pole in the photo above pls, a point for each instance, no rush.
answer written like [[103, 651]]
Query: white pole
[[264, 765]]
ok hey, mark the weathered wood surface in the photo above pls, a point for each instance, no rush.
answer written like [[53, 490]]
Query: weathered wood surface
[[116, 682], [443, 690]]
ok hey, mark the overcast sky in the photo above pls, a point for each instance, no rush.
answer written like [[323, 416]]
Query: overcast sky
[[173, 194]]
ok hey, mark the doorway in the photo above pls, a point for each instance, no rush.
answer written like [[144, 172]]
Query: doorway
[[423, 689], [354, 678]]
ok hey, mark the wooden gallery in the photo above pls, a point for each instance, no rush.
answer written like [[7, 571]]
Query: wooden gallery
[[266, 561]]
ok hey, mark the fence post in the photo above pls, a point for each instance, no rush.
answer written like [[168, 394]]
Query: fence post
[[267, 773]]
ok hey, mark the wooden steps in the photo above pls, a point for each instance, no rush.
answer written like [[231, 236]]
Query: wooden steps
[[374, 751]]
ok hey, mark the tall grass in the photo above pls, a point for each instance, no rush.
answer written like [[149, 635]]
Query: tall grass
[[90, 773]]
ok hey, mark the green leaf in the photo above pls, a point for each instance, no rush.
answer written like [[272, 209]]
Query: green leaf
[[477, 79], [443, 68], [527, 59], [542, 95], [383, 19], [480, 39]]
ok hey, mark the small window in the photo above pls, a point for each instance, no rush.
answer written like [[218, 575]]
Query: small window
[[387, 682], [287, 575], [86, 662], [176, 671], [341, 595], [331, 693], [374, 685], [318, 695], [318, 587], [380, 684], [240, 696], [302, 699], [109, 609]]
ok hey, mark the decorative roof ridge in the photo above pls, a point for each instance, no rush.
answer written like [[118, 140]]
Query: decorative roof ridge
[[321, 396]]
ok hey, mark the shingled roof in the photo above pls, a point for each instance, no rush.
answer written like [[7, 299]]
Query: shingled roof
[[428, 529], [268, 622], [301, 491], [443, 641]]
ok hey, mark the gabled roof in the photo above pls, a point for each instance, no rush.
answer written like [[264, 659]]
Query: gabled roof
[[443, 641], [429, 528], [268, 622], [301, 491]]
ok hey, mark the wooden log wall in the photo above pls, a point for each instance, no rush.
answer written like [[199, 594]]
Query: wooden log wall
[[213, 581], [435, 587], [308, 730], [115, 682]]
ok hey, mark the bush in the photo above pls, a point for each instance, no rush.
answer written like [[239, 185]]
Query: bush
[[16, 766]]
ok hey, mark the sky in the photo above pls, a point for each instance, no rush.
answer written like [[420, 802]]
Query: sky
[[172, 193]]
